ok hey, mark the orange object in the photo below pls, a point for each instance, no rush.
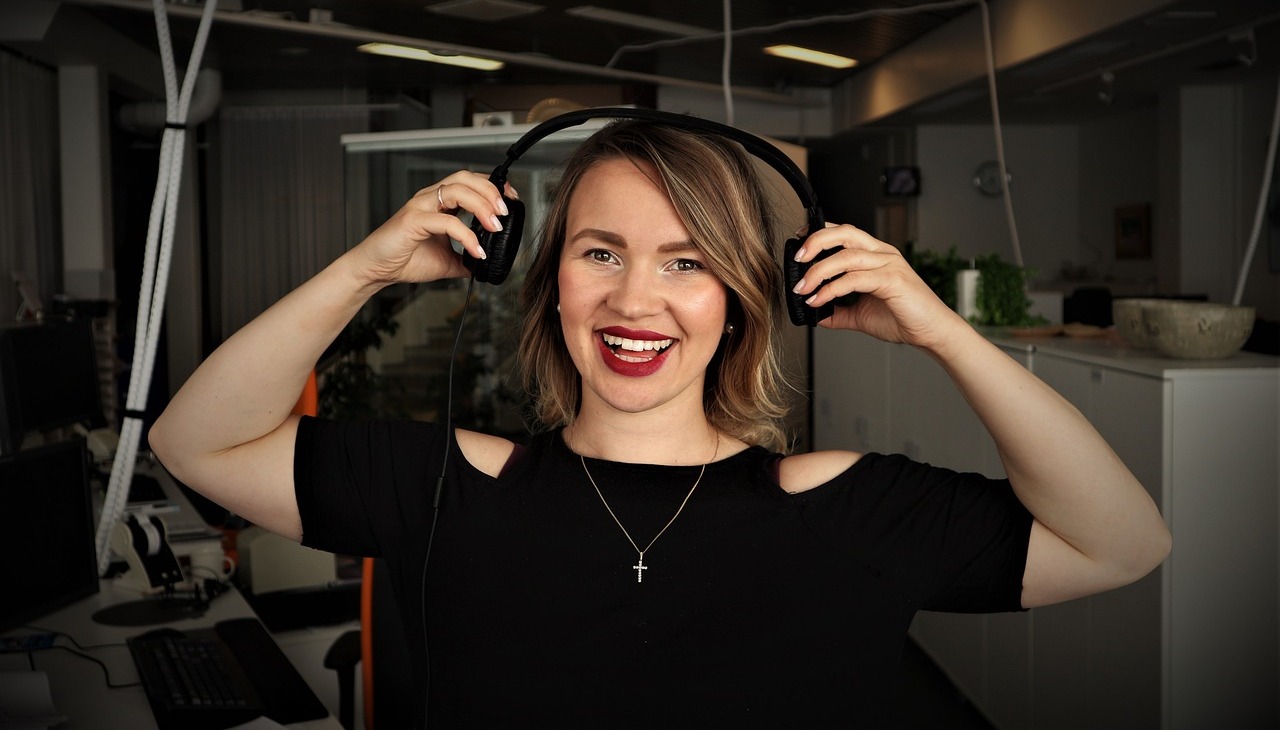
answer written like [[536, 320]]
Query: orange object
[[366, 639], [309, 402]]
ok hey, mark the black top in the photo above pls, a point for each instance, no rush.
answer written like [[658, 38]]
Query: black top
[[758, 607]]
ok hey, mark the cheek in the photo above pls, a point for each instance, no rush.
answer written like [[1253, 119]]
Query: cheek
[[712, 304], [572, 295]]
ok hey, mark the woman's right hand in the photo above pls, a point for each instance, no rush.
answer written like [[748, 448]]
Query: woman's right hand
[[414, 244]]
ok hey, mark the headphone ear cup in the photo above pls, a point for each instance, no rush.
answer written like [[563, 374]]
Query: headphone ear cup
[[793, 271], [501, 247]]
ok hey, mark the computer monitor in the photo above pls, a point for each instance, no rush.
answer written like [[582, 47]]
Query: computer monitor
[[48, 380], [48, 533]]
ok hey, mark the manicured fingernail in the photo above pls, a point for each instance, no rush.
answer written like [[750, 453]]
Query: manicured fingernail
[[800, 254], [482, 254], [497, 224], [799, 287], [809, 301], [502, 207]]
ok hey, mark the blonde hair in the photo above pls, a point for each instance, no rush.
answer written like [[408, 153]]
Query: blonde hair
[[720, 199]]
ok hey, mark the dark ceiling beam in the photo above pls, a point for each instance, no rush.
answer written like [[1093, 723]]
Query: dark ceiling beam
[[954, 55]]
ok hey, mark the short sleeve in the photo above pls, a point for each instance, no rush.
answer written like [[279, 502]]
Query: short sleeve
[[947, 540], [361, 486]]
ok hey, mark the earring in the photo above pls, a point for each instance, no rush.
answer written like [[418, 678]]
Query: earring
[[729, 328], [557, 307]]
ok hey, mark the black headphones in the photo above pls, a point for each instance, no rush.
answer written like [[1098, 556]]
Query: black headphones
[[502, 247]]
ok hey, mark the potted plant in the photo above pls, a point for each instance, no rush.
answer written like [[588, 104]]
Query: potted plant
[[1002, 299]]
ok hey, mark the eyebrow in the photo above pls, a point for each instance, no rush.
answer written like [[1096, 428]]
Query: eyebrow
[[614, 239]]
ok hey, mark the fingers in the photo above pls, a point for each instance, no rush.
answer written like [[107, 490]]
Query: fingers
[[471, 192], [461, 191], [855, 257]]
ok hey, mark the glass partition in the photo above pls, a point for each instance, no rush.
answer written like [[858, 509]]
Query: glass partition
[[407, 372]]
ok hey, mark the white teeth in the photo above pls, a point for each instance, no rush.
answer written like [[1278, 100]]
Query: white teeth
[[636, 345]]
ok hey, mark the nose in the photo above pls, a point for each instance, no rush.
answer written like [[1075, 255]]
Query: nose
[[636, 294]]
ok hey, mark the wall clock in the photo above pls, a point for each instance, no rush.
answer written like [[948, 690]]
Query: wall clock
[[987, 178]]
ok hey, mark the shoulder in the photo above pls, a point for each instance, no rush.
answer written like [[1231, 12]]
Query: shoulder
[[486, 453], [802, 472]]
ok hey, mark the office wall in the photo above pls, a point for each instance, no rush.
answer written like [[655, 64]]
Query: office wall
[[1044, 165], [1221, 147], [1120, 165]]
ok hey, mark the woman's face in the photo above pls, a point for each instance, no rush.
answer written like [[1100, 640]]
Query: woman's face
[[641, 313]]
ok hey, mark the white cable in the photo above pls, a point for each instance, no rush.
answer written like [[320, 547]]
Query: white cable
[[990, 54], [1268, 168], [158, 254], [726, 60]]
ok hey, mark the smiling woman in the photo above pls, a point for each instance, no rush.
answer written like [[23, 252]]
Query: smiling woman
[[652, 531]]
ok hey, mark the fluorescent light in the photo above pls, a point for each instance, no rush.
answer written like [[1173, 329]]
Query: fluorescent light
[[808, 55], [422, 54], [632, 20]]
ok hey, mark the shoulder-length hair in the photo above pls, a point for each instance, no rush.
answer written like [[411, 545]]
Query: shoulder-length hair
[[721, 200]]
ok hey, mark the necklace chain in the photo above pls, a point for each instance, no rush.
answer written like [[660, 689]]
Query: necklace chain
[[640, 567]]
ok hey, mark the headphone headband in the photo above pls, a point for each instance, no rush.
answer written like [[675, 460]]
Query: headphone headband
[[758, 147]]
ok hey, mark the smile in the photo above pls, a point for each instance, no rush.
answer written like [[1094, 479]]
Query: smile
[[645, 350]]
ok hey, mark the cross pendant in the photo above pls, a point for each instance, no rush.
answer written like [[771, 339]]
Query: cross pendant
[[639, 568]]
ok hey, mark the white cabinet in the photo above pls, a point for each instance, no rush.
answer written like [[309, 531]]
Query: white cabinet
[[1099, 658], [1194, 644]]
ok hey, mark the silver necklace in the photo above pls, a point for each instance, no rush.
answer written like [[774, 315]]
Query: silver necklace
[[640, 567]]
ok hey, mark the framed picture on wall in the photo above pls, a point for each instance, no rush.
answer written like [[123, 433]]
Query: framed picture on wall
[[1133, 231]]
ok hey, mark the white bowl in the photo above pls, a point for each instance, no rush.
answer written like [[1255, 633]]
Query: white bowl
[[1197, 330]]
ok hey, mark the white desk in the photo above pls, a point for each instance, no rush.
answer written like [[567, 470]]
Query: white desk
[[78, 686]]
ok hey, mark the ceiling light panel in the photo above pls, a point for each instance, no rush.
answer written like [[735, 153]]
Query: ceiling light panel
[[808, 55], [422, 54]]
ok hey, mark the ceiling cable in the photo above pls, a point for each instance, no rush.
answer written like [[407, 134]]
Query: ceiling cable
[[788, 25], [726, 61], [1263, 194], [989, 52]]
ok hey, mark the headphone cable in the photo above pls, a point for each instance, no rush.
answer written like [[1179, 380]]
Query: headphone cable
[[435, 501]]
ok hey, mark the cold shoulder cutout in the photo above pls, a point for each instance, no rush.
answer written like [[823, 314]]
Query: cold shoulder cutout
[[801, 472]]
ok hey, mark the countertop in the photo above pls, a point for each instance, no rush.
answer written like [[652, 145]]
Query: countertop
[[1109, 350]]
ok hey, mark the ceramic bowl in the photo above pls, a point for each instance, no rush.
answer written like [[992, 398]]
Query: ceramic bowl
[[1127, 315], [1197, 330]]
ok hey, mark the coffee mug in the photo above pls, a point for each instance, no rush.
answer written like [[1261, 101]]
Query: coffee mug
[[211, 562]]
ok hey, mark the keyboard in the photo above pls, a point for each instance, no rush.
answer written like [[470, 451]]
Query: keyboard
[[208, 679]]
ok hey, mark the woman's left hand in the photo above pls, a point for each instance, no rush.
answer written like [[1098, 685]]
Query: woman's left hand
[[895, 304]]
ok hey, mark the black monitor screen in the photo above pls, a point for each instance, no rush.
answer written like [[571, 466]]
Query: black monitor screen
[[48, 380], [48, 534]]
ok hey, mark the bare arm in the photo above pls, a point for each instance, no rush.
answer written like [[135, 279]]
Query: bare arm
[[1095, 528], [228, 432]]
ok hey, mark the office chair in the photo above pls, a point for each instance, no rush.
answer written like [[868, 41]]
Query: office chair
[[379, 647]]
